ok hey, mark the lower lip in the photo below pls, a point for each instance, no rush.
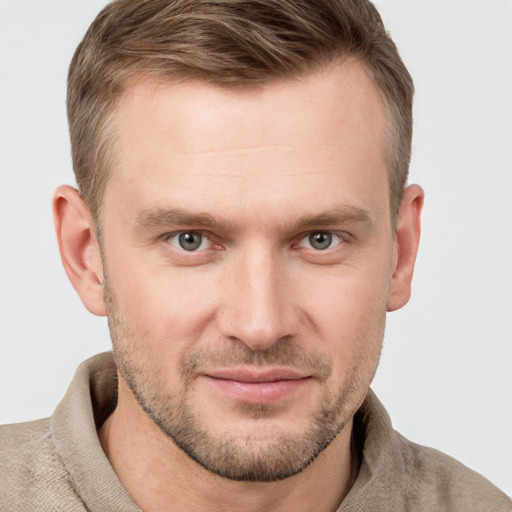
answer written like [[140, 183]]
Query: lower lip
[[258, 392]]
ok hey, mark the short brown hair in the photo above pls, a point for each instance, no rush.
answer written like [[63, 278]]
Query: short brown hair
[[231, 43]]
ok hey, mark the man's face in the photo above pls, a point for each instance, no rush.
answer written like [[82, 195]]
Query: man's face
[[248, 255]]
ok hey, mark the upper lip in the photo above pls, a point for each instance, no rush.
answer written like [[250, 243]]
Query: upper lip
[[253, 375]]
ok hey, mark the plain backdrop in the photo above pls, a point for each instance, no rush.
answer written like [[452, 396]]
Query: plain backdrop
[[445, 374]]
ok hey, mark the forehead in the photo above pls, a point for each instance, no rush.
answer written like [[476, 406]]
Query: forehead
[[273, 141], [326, 98]]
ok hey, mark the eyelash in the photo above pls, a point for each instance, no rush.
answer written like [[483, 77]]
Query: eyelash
[[342, 239], [330, 234], [170, 236]]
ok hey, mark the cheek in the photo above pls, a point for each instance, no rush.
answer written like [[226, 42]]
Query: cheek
[[168, 307], [346, 298], [347, 311]]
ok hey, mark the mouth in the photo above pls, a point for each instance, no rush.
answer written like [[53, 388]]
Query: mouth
[[258, 387]]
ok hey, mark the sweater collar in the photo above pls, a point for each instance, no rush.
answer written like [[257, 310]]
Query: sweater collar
[[91, 397]]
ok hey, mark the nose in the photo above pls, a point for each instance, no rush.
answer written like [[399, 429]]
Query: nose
[[257, 306]]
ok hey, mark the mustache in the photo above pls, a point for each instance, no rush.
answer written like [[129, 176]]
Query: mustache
[[284, 353]]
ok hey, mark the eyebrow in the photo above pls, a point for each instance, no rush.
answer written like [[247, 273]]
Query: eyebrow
[[346, 214], [164, 217], [161, 217]]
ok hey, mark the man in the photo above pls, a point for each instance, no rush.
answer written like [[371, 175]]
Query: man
[[244, 223]]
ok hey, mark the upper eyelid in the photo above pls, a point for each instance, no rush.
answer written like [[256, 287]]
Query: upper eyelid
[[173, 234], [343, 235]]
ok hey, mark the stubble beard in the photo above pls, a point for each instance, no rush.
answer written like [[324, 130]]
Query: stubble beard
[[242, 457]]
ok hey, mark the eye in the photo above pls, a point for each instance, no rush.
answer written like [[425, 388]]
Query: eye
[[320, 240], [190, 241]]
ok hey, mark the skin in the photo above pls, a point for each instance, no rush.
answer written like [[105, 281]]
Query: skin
[[254, 172]]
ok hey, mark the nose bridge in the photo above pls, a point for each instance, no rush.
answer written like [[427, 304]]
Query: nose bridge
[[257, 310]]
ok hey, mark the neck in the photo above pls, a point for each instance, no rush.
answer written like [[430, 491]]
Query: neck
[[161, 477]]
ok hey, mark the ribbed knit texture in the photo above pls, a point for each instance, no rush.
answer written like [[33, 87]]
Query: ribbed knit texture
[[57, 464]]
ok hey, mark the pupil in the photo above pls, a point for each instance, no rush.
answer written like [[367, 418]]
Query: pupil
[[320, 240], [190, 241]]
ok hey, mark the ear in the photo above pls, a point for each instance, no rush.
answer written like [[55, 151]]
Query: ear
[[79, 248], [406, 247]]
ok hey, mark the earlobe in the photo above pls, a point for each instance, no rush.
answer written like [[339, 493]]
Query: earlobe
[[406, 246], [79, 248]]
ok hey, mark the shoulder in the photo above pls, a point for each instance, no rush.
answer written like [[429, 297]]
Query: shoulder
[[398, 475], [32, 474], [446, 483]]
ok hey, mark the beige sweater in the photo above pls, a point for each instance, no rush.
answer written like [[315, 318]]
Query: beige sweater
[[57, 464]]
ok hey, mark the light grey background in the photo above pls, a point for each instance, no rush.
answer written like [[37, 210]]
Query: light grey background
[[445, 374]]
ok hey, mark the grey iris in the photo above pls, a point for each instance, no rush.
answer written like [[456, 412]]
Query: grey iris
[[320, 240], [190, 241]]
